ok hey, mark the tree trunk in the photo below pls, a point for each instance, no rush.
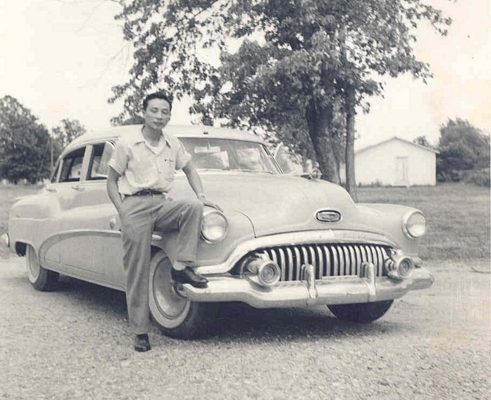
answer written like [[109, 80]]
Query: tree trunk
[[350, 143], [319, 122]]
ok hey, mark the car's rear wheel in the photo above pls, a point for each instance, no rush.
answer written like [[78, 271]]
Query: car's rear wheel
[[175, 315], [362, 312], [39, 277]]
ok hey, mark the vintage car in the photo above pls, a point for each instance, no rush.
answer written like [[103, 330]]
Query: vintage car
[[280, 240]]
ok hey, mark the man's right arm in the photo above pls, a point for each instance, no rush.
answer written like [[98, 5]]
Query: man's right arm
[[112, 189]]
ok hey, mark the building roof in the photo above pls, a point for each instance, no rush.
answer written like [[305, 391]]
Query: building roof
[[397, 138]]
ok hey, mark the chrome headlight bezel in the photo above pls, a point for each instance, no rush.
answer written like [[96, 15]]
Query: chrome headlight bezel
[[208, 223], [408, 225]]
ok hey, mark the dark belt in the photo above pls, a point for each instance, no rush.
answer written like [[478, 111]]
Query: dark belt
[[146, 192]]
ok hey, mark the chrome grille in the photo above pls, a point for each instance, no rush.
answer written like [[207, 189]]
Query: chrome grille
[[328, 259]]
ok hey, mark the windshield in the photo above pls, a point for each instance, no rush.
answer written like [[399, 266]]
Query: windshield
[[229, 155]]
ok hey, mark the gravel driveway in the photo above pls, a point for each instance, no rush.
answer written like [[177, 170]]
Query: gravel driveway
[[76, 344]]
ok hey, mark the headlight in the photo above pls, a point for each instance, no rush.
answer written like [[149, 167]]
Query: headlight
[[414, 224], [214, 226]]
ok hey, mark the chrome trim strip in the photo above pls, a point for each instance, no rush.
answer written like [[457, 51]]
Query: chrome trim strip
[[298, 263], [353, 260], [359, 259], [290, 263], [347, 260], [344, 290], [56, 238], [335, 269], [295, 238], [381, 260], [313, 262], [282, 262]]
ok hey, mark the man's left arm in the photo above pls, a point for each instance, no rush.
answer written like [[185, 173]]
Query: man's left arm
[[196, 184]]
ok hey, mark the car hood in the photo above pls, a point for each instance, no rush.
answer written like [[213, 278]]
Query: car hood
[[280, 203]]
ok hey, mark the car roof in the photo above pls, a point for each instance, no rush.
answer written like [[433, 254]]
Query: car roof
[[180, 131]]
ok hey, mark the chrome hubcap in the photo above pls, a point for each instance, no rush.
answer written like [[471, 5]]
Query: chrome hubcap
[[168, 308]]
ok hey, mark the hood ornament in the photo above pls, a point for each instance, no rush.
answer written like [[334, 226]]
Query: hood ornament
[[328, 215]]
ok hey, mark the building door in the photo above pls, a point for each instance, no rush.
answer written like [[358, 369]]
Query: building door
[[401, 178]]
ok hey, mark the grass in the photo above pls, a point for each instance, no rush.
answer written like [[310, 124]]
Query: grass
[[458, 216]]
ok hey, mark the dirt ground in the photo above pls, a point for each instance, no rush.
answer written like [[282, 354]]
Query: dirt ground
[[75, 343]]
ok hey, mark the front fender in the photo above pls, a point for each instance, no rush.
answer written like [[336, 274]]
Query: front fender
[[240, 230], [388, 218]]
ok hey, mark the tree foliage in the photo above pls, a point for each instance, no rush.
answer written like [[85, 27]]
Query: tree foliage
[[24, 143], [462, 147], [301, 64], [423, 141], [64, 133]]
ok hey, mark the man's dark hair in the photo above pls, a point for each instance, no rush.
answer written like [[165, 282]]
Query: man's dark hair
[[157, 95]]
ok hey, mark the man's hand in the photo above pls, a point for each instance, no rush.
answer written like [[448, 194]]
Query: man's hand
[[112, 189], [195, 182], [208, 203]]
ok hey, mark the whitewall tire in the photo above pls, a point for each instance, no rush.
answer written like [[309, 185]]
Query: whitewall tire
[[175, 315], [39, 277]]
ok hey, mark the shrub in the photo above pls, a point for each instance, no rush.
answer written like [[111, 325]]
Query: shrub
[[479, 177]]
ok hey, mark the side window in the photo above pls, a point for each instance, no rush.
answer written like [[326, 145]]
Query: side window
[[71, 167], [100, 157]]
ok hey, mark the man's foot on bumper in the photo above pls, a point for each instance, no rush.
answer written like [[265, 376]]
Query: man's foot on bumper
[[142, 343], [187, 275]]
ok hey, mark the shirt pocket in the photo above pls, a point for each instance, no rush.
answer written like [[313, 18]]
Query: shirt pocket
[[165, 167]]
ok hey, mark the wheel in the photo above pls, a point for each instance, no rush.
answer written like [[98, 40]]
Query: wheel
[[41, 278], [176, 316], [362, 312]]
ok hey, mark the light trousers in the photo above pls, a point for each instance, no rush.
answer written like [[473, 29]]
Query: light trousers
[[140, 216]]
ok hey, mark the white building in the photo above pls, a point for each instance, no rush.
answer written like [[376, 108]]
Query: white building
[[396, 162]]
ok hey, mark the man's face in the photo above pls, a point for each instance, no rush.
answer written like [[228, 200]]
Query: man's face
[[157, 114]]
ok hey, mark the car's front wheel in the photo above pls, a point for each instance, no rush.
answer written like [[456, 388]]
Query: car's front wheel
[[39, 277], [175, 315], [362, 312]]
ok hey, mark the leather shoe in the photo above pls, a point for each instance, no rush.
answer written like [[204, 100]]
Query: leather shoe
[[142, 343], [187, 275]]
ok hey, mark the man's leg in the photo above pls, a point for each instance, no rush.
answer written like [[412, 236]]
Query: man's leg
[[185, 216], [136, 227]]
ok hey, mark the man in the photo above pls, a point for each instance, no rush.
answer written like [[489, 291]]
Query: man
[[141, 174]]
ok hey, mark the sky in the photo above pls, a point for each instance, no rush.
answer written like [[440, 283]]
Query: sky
[[60, 58]]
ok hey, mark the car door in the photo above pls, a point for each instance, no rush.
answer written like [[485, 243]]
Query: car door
[[80, 221], [102, 217]]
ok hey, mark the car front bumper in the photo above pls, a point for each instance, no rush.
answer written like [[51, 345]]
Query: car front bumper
[[339, 290]]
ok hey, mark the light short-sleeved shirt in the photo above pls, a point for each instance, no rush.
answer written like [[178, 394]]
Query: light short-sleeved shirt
[[143, 166]]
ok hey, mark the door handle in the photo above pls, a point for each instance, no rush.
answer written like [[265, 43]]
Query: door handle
[[78, 187], [50, 189]]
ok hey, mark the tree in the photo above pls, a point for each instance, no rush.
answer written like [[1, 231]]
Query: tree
[[68, 130], [64, 133], [423, 141], [297, 61], [133, 120], [24, 143], [462, 147]]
